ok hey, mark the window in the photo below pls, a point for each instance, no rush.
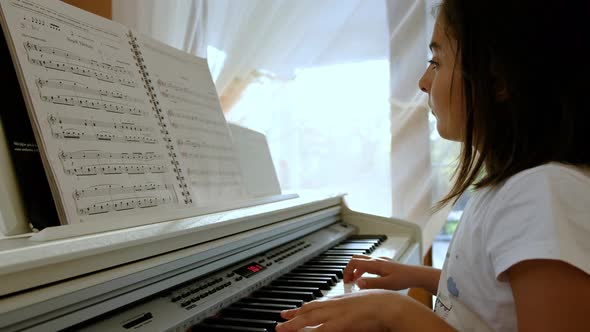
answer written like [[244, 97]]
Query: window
[[327, 128]]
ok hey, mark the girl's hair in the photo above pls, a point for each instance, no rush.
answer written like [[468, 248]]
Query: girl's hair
[[525, 78]]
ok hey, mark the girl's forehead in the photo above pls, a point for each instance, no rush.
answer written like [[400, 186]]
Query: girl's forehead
[[442, 40]]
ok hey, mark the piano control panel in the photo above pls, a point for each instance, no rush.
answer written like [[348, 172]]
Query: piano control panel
[[254, 289]]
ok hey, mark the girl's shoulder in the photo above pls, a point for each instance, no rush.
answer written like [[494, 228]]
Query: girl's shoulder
[[556, 178], [553, 189]]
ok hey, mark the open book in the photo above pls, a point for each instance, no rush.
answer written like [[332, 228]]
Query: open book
[[129, 130]]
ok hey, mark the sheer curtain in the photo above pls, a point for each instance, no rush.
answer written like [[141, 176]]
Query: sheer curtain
[[419, 158], [272, 58]]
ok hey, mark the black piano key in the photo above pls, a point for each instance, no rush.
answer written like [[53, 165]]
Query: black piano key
[[337, 272], [319, 266], [375, 241], [354, 246], [305, 296], [245, 322], [333, 276], [346, 257], [327, 280], [345, 252], [295, 302], [337, 260], [316, 291], [381, 238], [321, 284], [224, 328], [265, 314], [259, 305], [331, 265]]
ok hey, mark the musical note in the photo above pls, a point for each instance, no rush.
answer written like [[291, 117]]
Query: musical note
[[85, 129], [81, 88], [92, 103], [125, 204], [189, 100], [207, 156], [204, 145], [164, 86], [199, 129], [117, 70], [117, 189], [94, 162], [186, 116]]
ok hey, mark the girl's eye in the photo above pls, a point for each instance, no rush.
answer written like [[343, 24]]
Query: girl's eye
[[433, 63]]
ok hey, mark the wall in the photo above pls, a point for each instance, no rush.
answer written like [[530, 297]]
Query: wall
[[103, 8]]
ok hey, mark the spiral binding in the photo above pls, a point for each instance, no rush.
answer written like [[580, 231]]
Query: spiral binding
[[159, 116]]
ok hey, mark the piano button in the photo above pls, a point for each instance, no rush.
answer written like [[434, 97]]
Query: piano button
[[316, 291], [225, 328], [323, 269], [333, 276], [253, 313], [305, 296], [295, 302], [302, 283], [267, 324], [259, 305]]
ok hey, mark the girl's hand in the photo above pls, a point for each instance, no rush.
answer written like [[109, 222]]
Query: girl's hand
[[393, 276], [368, 310]]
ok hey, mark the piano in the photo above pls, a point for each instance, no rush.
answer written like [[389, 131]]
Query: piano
[[229, 270]]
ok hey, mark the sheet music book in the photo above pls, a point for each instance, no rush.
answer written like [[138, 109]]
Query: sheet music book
[[129, 130]]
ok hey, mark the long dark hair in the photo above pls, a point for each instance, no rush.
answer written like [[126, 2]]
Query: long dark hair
[[526, 85]]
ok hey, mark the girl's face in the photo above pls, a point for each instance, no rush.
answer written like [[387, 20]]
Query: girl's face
[[443, 82]]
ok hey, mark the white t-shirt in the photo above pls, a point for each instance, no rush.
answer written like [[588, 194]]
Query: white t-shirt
[[540, 213]]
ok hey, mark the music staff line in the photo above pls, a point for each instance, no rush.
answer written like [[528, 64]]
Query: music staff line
[[189, 100], [117, 189], [108, 163], [96, 154], [91, 103], [54, 51], [126, 204], [198, 129], [206, 156], [185, 115], [175, 87], [212, 183], [81, 88], [192, 172], [73, 128], [204, 145], [114, 168]]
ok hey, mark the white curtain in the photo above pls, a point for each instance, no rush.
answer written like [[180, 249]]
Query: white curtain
[[418, 176], [278, 36]]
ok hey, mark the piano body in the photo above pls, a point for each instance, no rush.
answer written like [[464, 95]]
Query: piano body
[[231, 270]]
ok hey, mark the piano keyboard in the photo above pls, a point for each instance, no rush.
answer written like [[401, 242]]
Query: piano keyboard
[[250, 295], [320, 276]]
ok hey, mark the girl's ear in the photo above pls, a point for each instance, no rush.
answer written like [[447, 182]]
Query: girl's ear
[[502, 93], [500, 86]]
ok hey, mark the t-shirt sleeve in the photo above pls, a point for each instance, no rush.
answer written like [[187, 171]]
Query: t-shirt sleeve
[[539, 215]]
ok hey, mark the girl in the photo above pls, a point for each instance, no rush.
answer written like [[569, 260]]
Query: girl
[[505, 80]]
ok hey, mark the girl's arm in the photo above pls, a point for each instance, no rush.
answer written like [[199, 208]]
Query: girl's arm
[[550, 295]]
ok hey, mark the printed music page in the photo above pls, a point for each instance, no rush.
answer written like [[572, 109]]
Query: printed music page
[[97, 132], [193, 118]]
